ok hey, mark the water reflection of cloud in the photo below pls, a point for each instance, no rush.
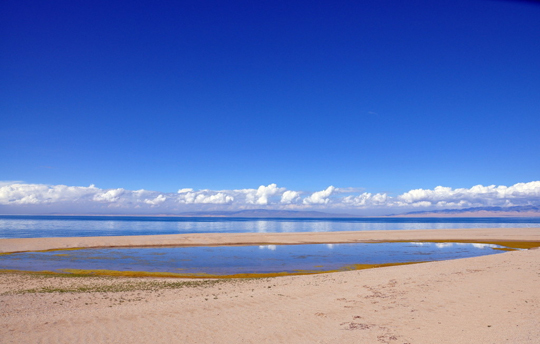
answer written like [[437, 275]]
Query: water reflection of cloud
[[331, 246], [420, 243], [444, 244], [482, 246], [262, 226], [288, 226], [109, 224], [268, 247], [320, 226]]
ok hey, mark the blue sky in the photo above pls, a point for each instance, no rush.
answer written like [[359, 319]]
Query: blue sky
[[382, 97]]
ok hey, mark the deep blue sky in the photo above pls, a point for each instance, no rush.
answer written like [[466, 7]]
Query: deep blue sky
[[382, 95]]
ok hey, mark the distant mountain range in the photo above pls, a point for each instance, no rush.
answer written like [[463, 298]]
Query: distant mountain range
[[523, 211], [527, 210], [518, 211]]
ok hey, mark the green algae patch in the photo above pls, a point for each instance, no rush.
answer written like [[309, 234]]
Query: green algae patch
[[62, 249], [515, 244], [116, 273], [113, 285], [504, 249], [42, 273], [48, 250]]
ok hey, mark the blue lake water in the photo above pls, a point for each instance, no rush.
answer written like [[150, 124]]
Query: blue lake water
[[71, 226], [228, 260]]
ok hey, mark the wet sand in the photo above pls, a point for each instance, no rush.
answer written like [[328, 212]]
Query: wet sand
[[490, 299]]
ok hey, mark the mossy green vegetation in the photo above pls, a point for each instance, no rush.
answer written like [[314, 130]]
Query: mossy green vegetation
[[50, 250], [116, 273], [113, 285]]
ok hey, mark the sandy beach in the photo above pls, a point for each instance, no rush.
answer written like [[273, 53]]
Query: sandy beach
[[490, 299]]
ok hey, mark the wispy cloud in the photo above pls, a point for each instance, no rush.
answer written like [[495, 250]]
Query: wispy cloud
[[40, 197]]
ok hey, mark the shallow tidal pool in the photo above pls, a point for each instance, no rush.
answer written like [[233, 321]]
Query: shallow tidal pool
[[221, 261]]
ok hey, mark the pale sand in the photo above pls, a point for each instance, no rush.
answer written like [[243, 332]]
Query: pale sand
[[490, 299]]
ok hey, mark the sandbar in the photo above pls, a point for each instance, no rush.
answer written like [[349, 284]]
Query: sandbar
[[214, 239]]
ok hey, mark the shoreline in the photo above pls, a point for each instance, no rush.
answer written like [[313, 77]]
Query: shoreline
[[485, 300], [512, 237]]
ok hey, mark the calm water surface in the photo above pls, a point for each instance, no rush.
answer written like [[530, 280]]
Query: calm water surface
[[227, 260], [70, 226]]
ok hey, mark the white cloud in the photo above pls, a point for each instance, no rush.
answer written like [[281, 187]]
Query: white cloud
[[366, 199], [17, 194], [10, 182], [42, 194], [320, 197], [478, 195], [289, 197], [205, 197], [219, 198], [184, 190], [262, 194], [422, 204], [110, 196], [156, 201], [348, 190]]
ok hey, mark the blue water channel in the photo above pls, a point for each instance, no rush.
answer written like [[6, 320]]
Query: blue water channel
[[19, 226], [230, 260]]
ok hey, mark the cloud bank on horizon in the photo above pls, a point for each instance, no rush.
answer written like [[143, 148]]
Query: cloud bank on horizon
[[18, 197]]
